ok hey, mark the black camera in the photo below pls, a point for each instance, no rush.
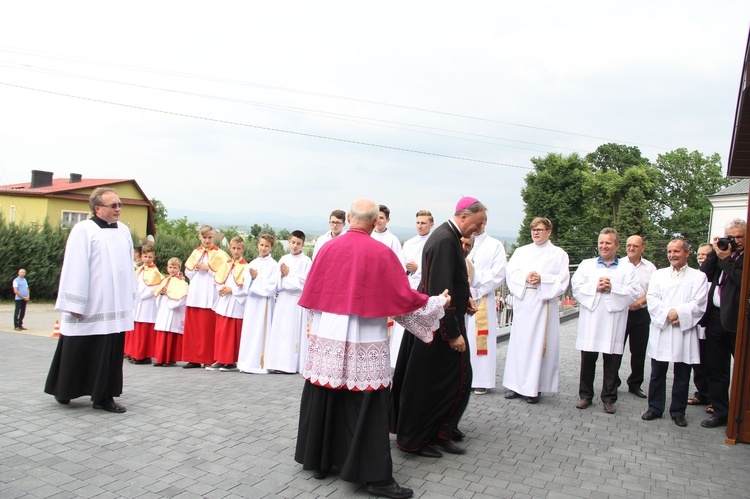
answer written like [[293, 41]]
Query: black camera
[[724, 243]]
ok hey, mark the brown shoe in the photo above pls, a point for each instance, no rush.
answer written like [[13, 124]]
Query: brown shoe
[[583, 404], [609, 407]]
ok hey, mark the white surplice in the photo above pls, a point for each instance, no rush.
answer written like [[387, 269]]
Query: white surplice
[[97, 280], [386, 237], [489, 261], [232, 304], [532, 365], [288, 334], [603, 316], [170, 314], [351, 352], [322, 240], [687, 294], [259, 305], [145, 303], [202, 292]]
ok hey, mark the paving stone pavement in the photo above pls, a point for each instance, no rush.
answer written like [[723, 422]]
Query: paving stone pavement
[[195, 433]]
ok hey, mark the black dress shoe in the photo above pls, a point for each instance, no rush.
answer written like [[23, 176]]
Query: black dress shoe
[[449, 446], [512, 395], [458, 435], [713, 422], [638, 393], [428, 451], [650, 416], [320, 475], [62, 401], [393, 490], [533, 400], [191, 365], [110, 406], [680, 421]]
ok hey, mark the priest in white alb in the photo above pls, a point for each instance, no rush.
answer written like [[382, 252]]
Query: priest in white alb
[[537, 275], [488, 260], [96, 297], [677, 297]]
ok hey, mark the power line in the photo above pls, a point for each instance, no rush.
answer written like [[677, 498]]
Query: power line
[[307, 111], [46, 55], [259, 127]]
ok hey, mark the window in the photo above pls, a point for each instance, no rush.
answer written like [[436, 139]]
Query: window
[[70, 218]]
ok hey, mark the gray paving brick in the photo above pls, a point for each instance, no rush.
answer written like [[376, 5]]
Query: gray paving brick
[[199, 435]]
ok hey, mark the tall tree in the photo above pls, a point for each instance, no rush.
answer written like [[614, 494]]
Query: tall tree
[[555, 190], [684, 209], [621, 176]]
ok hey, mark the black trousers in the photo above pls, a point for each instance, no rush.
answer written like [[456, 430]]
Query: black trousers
[[19, 313], [699, 374], [719, 352], [610, 382], [637, 331], [657, 388]]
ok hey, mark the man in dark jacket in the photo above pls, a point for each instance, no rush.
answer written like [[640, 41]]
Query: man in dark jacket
[[723, 268]]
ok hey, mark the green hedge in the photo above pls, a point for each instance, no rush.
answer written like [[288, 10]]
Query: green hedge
[[39, 250]]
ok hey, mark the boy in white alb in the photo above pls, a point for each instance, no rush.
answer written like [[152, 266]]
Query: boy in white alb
[[171, 296], [261, 278], [229, 308], [287, 343], [142, 339]]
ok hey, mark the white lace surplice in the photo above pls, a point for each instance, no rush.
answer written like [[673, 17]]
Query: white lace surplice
[[352, 352]]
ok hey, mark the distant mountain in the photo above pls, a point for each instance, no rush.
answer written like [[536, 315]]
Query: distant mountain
[[313, 226]]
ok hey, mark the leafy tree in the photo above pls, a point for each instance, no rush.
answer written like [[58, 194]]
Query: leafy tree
[[688, 178], [160, 211], [180, 227], [256, 230], [284, 234], [555, 190], [267, 229], [169, 245], [621, 176]]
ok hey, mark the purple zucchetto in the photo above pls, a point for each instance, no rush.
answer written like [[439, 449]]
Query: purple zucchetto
[[464, 202]]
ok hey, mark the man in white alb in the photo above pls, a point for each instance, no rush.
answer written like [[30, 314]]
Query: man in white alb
[[677, 298], [488, 261], [382, 234], [537, 274], [605, 287], [337, 222], [636, 331]]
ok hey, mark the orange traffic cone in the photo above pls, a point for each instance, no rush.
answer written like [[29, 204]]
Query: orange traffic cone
[[56, 330]]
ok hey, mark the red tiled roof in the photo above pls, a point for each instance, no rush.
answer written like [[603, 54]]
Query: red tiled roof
[[60, 185]]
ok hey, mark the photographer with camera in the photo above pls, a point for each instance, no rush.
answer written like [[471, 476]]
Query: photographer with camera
[[723, 268]]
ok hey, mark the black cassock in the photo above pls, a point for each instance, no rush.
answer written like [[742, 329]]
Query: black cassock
[[432, 383]]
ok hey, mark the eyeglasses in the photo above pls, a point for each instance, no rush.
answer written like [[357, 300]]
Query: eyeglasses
[[537, 231], [335, 222], [114, 206]]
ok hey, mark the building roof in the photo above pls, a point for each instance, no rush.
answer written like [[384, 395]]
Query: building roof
[[741, 187], [64, 188], [739, 154]]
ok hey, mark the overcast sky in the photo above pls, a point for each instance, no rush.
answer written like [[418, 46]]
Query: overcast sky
[[302, 107]]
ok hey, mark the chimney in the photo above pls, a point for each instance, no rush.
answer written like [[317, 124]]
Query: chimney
[[75, 178], [40, 178]]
